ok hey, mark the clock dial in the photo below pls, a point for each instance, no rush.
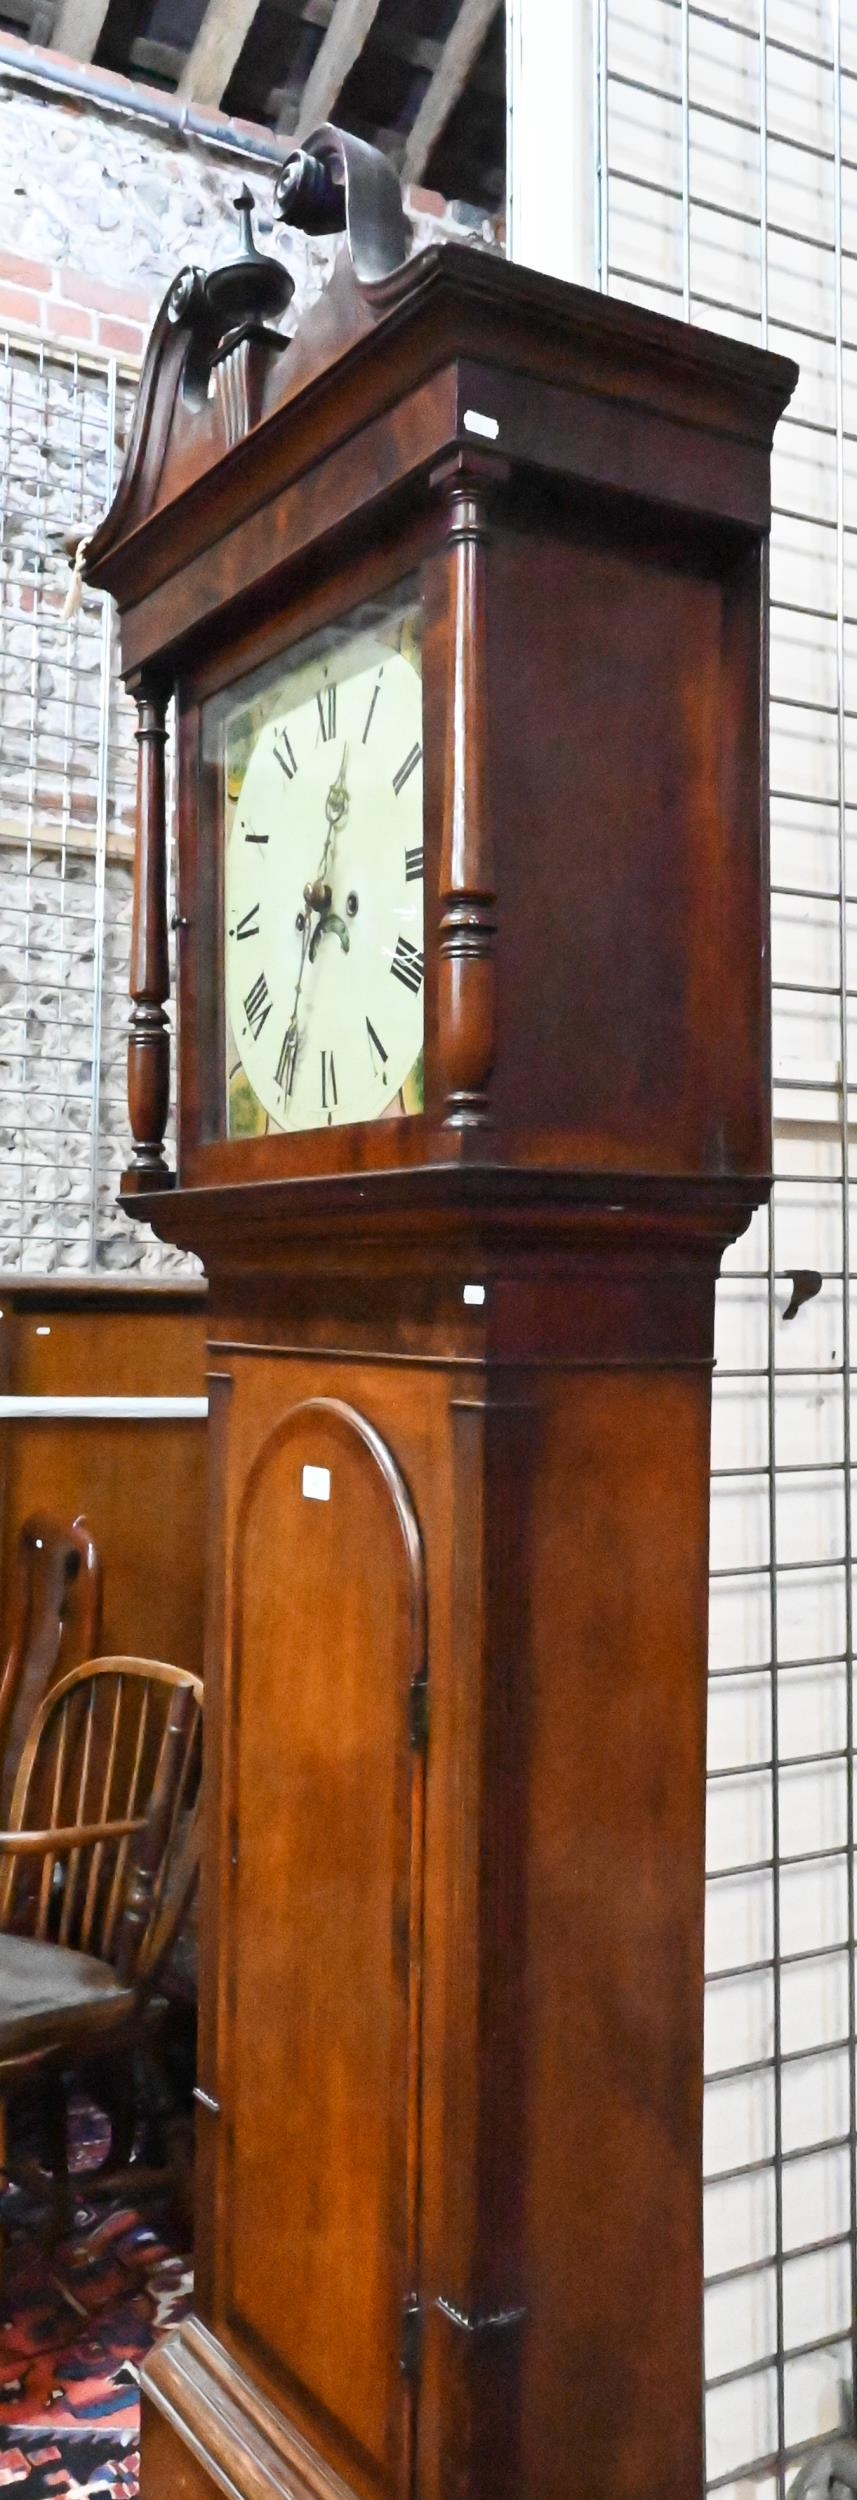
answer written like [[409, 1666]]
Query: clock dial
[[323, 886]]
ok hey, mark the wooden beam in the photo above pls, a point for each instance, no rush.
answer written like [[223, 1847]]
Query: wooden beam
[[212, 58], [162, 63], [340, 47], [284, 97], [78, 27], [461, 49], [80, 842]]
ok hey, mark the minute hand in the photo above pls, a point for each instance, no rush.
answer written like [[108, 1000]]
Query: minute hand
[[317, 897]]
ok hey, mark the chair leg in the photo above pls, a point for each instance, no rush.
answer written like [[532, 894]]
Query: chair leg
[[4, 2177], [180, 2154], [56, 2131], [121, 2099]]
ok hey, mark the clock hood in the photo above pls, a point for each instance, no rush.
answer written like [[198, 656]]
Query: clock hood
[[227, 392]]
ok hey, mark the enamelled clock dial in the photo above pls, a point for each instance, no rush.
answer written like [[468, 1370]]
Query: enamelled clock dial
[[323, 882]]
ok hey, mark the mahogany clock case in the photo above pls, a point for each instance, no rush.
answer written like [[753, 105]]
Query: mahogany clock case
[[593, 584], [449, 2215]]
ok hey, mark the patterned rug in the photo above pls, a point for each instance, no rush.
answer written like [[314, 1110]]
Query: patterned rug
[[75, 2324]]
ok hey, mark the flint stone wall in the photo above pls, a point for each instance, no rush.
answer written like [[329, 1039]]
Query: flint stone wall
[[97, 214]]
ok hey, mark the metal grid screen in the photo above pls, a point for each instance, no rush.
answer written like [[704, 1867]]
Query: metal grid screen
[[67, 762], [726, 148]]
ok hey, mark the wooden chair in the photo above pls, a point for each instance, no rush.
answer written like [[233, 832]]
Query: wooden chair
[[96, 1872], [55, 1623]]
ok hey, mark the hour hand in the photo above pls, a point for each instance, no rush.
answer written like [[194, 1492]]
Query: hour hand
[[287, 1061], [337, 801]]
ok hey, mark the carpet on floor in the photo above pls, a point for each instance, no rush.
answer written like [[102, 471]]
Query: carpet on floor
[[76, 2321]]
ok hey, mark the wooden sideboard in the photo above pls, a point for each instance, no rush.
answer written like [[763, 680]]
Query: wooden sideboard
[[138, 1474]]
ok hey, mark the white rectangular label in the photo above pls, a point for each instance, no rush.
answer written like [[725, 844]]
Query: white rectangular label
[[316, 1484], [477, 423]]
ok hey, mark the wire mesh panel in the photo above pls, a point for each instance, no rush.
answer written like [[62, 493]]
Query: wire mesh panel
[[727, 191], [67, 763]]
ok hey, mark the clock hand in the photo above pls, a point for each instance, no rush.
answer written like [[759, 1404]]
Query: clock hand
[[318, 898], [337, 804], [336, 807], [329, 924], [287, 1061]]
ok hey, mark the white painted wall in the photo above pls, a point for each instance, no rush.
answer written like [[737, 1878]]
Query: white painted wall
[[725, 160], [551, 137]]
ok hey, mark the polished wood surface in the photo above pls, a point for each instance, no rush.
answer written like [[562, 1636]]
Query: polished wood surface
[[557, 2142], [449, 2211], [141, 1483], [322, 2042]]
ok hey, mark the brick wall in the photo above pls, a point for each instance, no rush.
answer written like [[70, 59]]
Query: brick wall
[[71, 309], [97, 214]]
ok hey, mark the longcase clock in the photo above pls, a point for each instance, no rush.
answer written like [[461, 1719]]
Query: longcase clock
[[460, 592]]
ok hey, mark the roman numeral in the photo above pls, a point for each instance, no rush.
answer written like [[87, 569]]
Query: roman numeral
[[257, 1006], [248, 925], [407, 965], [413, 864], [376, 1048], [375, 693], [285, 754], [326, 701], [255, 837], [287, 1061], [406, 769], [329, 1095]]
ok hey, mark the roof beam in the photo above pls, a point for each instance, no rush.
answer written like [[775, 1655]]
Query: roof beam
[[78, 27], [341, 45], [461, 49], [161, 62], [212, 58]]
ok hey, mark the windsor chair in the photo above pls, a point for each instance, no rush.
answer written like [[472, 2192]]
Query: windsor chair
[[96, 1872], [54, 1623]]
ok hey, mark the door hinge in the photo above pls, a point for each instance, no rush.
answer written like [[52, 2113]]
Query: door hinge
[[418, 1709], [411, 2337]]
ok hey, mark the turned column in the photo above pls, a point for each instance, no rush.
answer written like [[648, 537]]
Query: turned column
[[149, 1032], [467, 888]]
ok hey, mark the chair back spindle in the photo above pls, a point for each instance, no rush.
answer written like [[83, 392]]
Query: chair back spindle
[[105, 1813], [152, 1854]]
